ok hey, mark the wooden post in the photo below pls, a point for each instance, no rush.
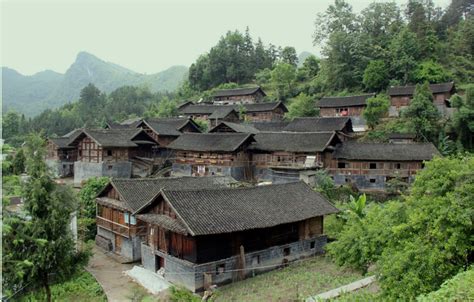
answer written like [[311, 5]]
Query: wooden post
[[242, 263]]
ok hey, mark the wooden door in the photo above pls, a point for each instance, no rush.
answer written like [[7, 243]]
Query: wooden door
[[118, 243]]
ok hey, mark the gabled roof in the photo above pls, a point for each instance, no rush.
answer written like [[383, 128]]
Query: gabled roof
[[236, 127], [168, 126], [237, 91], [223, 142], [267, 106], [136, 193], [208, 109], [207, 211], [113, 137], [410, 90], [387, 152], [223, 112], [344, 101], [317, 124], [62, 142], [294, 141], [273, 126]]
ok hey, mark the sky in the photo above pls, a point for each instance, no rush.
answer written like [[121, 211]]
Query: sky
[[148, 36]]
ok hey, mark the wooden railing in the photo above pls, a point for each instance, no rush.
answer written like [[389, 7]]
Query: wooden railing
[[389, 172], [121, 229]]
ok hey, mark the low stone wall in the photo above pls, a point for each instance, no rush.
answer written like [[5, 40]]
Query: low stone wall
[[130, 249], [362, 182], [275, 177], [104, 243], [60, 168], [237, 173], [223, 271]]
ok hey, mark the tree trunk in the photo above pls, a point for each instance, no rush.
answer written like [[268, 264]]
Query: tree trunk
[[46, 287]]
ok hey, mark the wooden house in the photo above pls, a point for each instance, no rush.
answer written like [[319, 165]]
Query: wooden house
[[226, 127], [401, 138], [166, 130], [118, 230], [270, 126], [197, 238], [368, 166], [212, 154], [238, 96], [343, 105], [400, 97], [60, 156], [280, 157], [224, 113], [109, 152]]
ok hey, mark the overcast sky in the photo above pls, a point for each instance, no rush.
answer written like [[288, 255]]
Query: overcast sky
[[147, 36]]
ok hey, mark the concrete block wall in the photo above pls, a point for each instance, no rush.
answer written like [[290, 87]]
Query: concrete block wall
[[60, 168], [191, 276], [266, 174], [85, 170], [237, 173], [130, 249]]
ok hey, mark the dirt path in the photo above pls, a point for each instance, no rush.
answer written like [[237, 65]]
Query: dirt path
[[343, 289], [109, 273]]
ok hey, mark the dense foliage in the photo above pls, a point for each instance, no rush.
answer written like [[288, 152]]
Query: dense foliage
[[458, 288], [38, 244], [87, 207], [420, 242]]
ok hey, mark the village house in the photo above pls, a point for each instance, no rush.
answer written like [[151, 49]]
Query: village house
[[368, 166], [401, 138], [212, 154], [280, 157], [118, 230], [238, 96], [197, 238], [60, 156], [109, 152], [400, 97], [166, 130], [343, 105], [258, 112], [270, 126], [224, 113]]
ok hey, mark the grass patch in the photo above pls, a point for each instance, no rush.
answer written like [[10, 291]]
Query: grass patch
[[293, 283], [81, 287]]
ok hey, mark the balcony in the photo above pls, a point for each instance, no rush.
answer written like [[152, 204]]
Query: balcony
[[381, 172], [120, 229]]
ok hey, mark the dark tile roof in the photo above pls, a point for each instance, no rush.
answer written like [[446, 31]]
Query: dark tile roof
[[267, 106], [293, 141], [205, 212], [410, 90], [112, 137], [139, 191], [115, 125], [207, 109], [317, 124], [165, 222], [222, 112], [386, 152], [132, 122], [344, 101], [237, 91], [167, 126], [273, 126], [236, 127], [62, 142], [225, 142]]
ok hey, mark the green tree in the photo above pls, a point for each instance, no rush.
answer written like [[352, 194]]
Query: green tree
[[404, 53], [18, 163], [50, 246], [422, 115], [283, 77], [302, 106], [432, 72], [463, 119], [288, 55], [10, 125], [87, 208], [376, 76], [377, 107]]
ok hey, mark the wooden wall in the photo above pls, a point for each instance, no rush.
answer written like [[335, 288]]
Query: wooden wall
[[239, 99], [279, 158], [404, 168], [212, 158], [265, 116], [351, 111]]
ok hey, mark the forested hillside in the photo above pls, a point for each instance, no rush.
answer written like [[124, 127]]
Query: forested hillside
[[48, 89]]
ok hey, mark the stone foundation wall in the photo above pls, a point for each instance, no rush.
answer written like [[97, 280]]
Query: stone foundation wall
[[363, 182], [103, 243], [237, 173], [60, 168], [131, 247], [86, 170]]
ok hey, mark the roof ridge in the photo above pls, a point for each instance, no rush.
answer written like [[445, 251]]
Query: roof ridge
[[235, 189]]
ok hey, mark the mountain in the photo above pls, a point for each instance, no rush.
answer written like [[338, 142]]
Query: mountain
[[303, 57], [48, 89]]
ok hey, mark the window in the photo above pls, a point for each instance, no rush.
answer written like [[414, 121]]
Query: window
[[422, 165], [133, 220], [347, 180], [110, 167], [398, 166], [341, 165], [372, 180], [109, 152], [220, 269], [219, 170], [373, 165], [126, 217], [312, 244], [286, 251]]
